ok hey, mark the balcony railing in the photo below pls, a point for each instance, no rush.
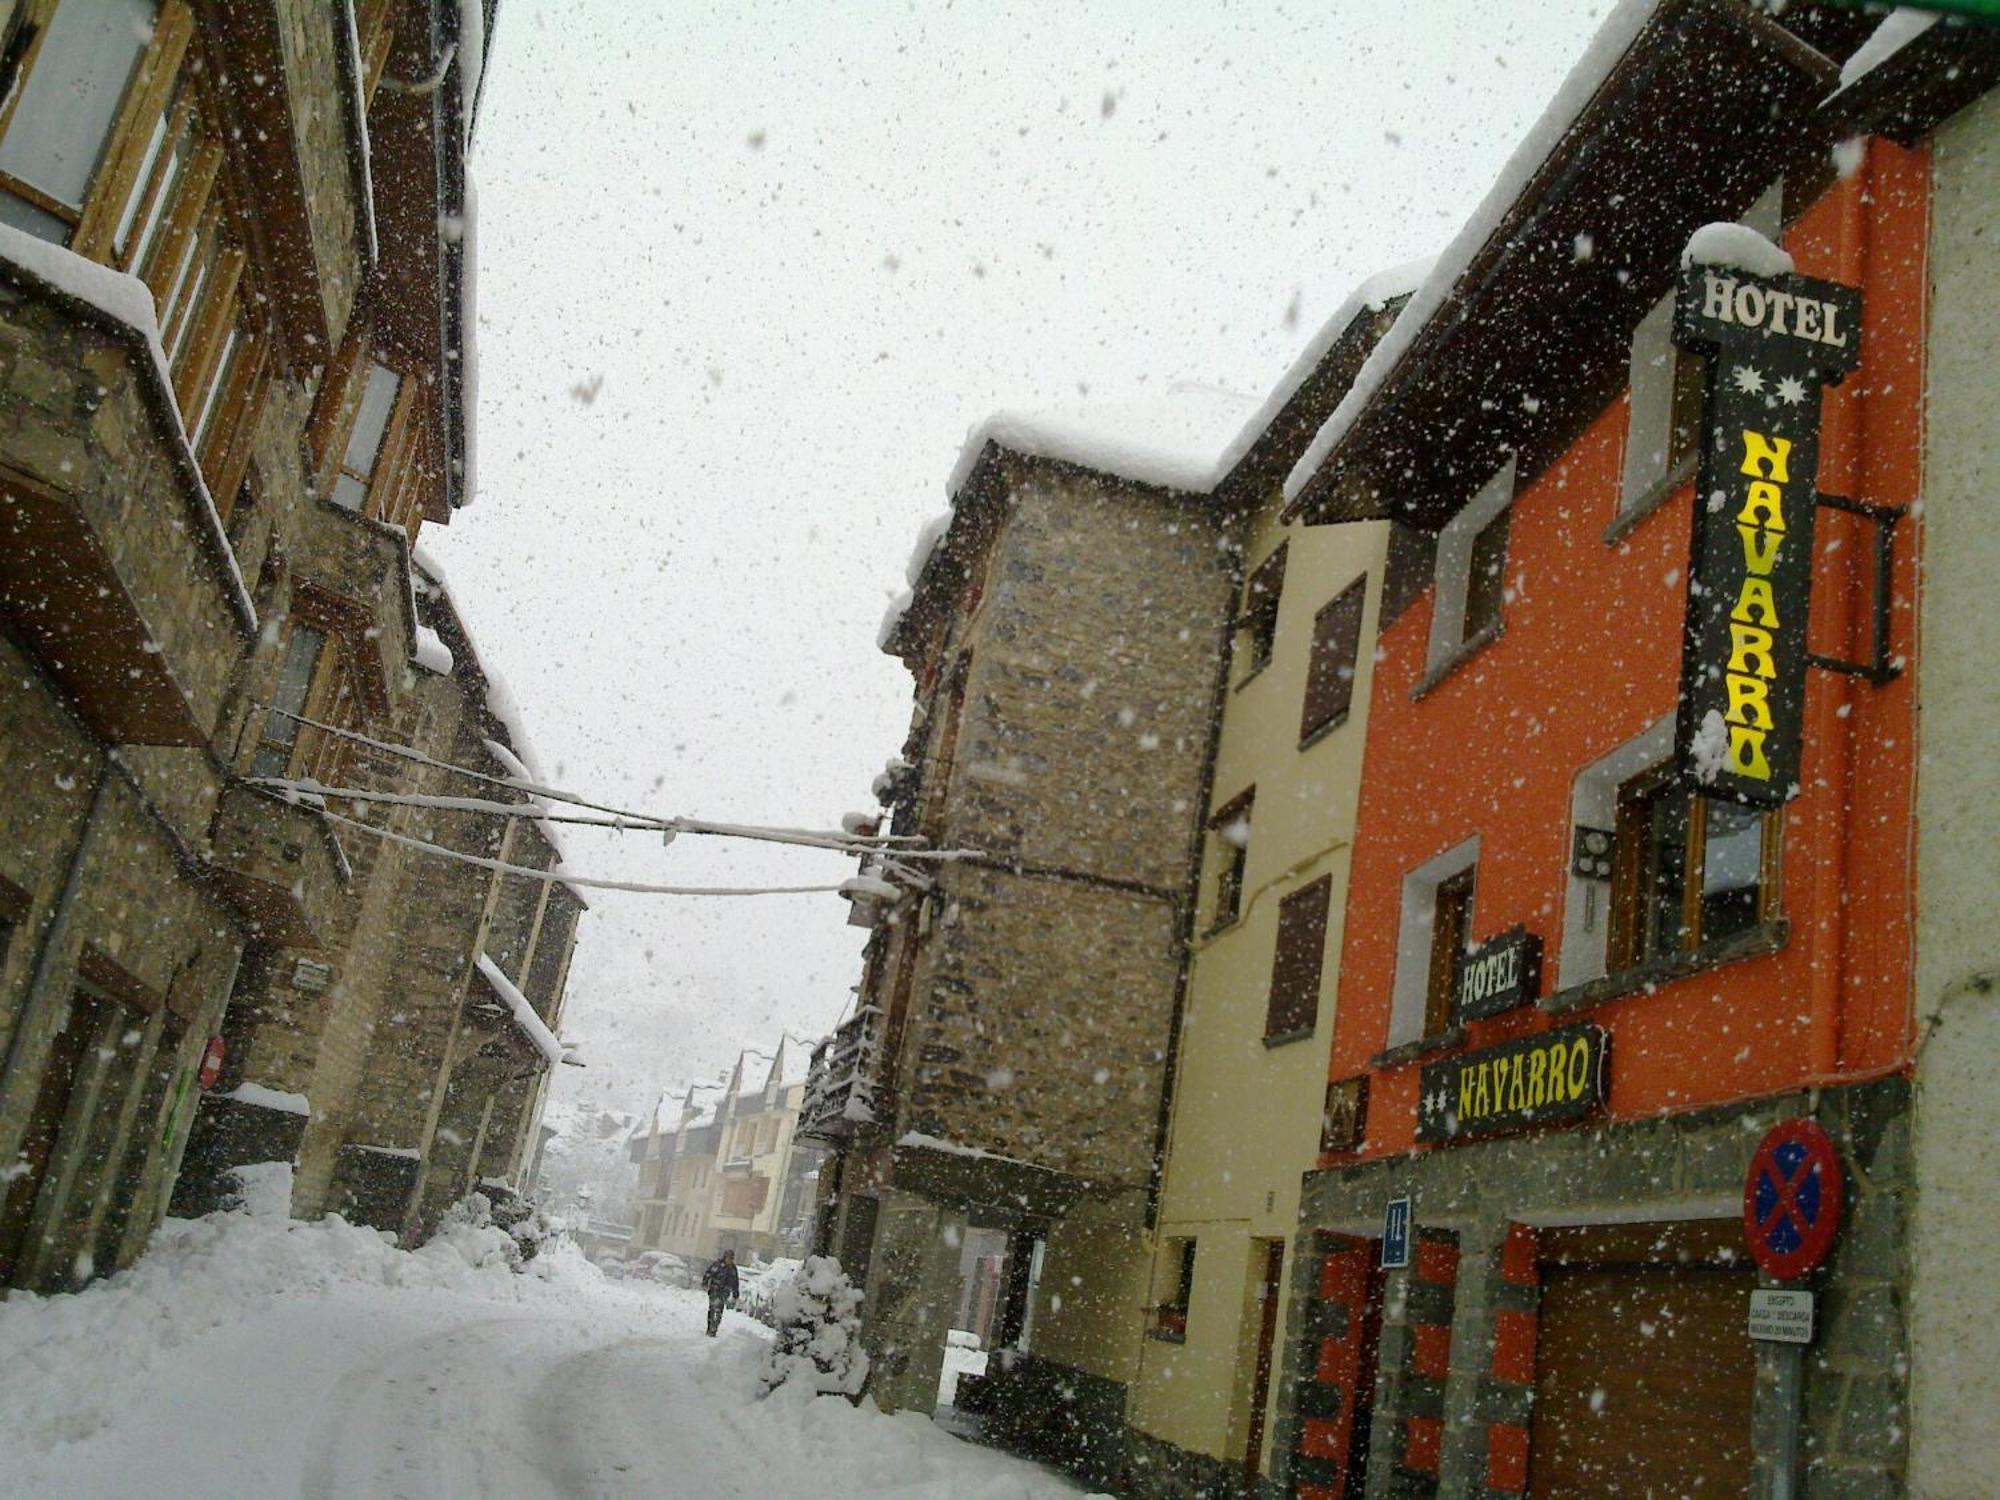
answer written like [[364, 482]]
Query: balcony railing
[[841, 1086]]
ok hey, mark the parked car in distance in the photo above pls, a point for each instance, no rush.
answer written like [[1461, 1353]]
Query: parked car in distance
[[660, 1266]]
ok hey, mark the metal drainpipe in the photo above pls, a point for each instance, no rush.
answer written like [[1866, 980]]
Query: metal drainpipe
[[1833, 734]]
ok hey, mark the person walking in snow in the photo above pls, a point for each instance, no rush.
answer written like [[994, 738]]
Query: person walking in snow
[[720, 1282]]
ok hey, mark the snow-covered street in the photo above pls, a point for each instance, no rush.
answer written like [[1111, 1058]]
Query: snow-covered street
[[251, 1355]]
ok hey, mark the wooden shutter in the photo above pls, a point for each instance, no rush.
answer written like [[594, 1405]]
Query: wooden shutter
[[1649, 433], [1453, 915], [1295, 970], [1336, 651]]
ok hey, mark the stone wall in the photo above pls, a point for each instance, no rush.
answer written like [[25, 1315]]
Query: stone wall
[[1855, 1413], [315, 86]]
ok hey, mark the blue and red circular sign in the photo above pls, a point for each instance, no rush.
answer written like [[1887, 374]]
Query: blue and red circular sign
[[1791, 1199]]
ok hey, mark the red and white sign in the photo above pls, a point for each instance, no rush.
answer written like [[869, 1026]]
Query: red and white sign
[[211, 1063]]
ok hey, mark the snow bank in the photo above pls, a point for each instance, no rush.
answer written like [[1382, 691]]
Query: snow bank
[[1737, 247], [1901, 27], [70, 1364], [1613, 39]]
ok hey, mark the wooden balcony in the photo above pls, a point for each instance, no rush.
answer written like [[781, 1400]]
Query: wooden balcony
[[842, 1084]]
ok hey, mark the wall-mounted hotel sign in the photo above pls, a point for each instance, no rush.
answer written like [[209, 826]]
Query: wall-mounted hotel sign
[[1501, 974], [1770, 344], [1552, 1078]]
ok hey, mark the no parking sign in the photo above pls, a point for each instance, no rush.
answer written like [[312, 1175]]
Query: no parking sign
[[1791, 1199]]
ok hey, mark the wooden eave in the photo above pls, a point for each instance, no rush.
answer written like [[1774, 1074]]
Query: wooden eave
[[1691, 123], [1920, 85], [242, 40]]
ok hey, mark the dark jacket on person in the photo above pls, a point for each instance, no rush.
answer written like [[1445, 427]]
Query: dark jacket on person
[[719, 1280]]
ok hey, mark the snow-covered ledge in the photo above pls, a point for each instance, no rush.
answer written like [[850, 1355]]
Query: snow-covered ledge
[[537, 1030], [126, 300]]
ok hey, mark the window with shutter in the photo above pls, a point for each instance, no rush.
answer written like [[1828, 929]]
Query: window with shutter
[[1259, 620], [1230, 831], [1471, 573], [1295, 969], [1336, 652]]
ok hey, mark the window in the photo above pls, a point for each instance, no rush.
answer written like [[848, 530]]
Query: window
[[1259, 618], [1664, 424], [1686, 870], [1230, 830], [1413, 1002], [295, 677], [364, 439], [1177, 1281], [1471, 571], [77, 70], [1295, 969], [1451, 931], [1336, 652]]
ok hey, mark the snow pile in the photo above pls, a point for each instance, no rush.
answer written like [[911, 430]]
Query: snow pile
[[818, 1317], [1903, 26], [1736, 247], [70, 1364], [269, 1098], [1172, 442], [432, 654], [1710, 747]]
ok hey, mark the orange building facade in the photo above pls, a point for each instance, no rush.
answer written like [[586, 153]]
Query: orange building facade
[[1576, 990]]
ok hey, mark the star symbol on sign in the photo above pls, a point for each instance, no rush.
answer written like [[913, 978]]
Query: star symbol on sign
[[1434, 1101], [1748, 379], [1791, 390]]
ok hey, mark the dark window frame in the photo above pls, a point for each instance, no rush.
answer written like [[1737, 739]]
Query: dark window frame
[[1451, 936], [1263, 589], [1232, 859], [1298, 962], [1335, 662], [1660, 865]]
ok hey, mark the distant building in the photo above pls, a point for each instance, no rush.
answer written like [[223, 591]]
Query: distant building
[[728, 1171], [234, 338]]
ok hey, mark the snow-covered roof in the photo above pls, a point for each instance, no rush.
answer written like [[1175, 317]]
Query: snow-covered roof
[[535, 1028], [1175, 440], [432, 654], [1898, 29], [1614, 38]]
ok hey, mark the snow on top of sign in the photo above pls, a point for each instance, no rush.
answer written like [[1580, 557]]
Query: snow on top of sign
[[1898, 29], [268, 1098], [1738, 247], [130, 301], [1614, 38], [1173, 441], [536, 1029]]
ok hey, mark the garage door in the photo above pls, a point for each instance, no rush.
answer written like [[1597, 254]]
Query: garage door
[[1643, 1370]]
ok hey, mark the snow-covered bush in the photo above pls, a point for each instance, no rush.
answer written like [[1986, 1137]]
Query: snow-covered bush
[[819, 1331], [529, 1230]]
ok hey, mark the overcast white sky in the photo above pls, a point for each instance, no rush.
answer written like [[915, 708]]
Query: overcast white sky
[[748, 273]]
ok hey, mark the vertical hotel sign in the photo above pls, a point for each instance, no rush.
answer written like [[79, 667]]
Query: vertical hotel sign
[[1770, 343]]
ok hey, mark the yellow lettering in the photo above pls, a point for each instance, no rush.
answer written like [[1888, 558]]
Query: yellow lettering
[[1765, 500], [1538, 1082], [1579, 1067], [1755, 599], [1481, 1101], [1465, 1094], [1765, 457], [1760, 548], [1514, 1095], [1746, 753], [1750, 651], [1749, 701]]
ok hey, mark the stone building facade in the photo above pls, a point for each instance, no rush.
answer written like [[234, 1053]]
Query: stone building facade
[[1009, 1057], [231, 381]]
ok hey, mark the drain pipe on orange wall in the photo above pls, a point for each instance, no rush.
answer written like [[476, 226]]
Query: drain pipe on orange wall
[[1845, 435]]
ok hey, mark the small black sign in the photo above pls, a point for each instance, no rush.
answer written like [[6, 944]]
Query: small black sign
[[1344, 1124], [1551, 1078], [1500, 974], [1770, 345]]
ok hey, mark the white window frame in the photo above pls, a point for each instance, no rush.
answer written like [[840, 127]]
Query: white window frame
[[1413, 936], [1647, 477], [1593, 803], [1453, 571]]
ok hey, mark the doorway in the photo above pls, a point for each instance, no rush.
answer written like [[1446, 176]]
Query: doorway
[[1268, 1259], [88, 1015]]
